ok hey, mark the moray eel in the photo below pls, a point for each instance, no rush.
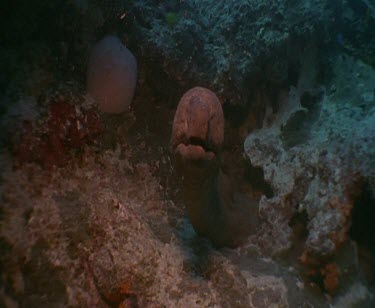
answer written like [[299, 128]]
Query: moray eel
[[197, 139]]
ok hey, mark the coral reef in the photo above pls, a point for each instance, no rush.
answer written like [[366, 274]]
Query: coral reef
[[318, 173], [236, 47], [49, 142], [87, 235], [354, 23], [109, 227]]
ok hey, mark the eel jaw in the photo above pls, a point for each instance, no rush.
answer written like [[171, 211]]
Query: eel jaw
[[195, 161], [194, 152]]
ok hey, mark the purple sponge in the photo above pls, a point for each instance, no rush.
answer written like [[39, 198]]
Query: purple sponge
[[112, 75]]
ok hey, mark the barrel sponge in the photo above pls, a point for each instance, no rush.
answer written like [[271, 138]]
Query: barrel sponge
[[112, 75]]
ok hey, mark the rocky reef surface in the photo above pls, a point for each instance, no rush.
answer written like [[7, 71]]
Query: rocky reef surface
[[100, 234], [317, 153], [91, 212]]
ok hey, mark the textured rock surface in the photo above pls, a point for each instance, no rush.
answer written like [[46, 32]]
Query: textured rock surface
[[314, 152], [89, 236], [236, 47], [50, 142], [112, 75]]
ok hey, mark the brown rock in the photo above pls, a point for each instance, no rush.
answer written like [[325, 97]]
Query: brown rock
[[331, 274]]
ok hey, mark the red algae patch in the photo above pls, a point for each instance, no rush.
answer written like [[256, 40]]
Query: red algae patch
[[66, 127]]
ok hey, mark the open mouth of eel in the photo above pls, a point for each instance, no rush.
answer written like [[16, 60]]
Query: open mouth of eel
[[195, 149]]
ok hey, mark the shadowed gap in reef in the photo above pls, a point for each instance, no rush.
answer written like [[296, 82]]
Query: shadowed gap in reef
[[363, 229]]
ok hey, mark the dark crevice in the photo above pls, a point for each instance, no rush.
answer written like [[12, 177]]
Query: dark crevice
[[297, 129], [293, 73], [298, 223], [235, 115], [5, 248], [310, 100], [363, 229], [255, 176], [363, 217], [43, 286], [199, 142]]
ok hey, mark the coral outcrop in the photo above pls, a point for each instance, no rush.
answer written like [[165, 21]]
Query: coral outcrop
[[237, 47], [314, 152], [89, 236]]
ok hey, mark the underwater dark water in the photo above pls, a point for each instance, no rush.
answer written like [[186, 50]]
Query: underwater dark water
[[187, 153]]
